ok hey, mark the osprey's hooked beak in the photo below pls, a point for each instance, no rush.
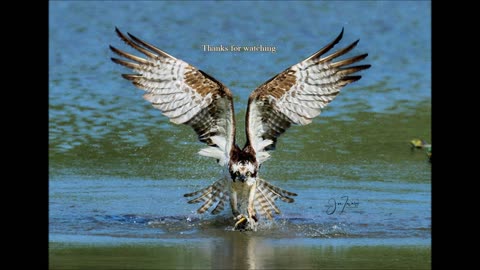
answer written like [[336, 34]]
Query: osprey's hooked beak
[[242, 178]]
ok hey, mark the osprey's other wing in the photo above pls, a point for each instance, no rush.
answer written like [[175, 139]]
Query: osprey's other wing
[[183, 93], [297, 95]]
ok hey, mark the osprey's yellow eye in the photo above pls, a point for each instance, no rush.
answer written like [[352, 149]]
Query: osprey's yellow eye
[[249, 174], [237, 173]]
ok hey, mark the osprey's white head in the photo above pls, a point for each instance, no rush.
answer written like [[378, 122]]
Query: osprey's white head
[[243, 165], [242, 171]]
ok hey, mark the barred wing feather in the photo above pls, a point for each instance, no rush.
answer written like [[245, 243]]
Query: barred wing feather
[[297, 95], [183, 93]]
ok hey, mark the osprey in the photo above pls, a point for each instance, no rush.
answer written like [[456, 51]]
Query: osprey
[[187, 95]]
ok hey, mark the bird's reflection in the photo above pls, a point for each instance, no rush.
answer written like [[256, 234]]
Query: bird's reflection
[[239, 250]]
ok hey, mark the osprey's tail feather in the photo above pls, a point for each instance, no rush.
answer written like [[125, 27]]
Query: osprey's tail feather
[[264, 203], [210, 195], [266, 195]]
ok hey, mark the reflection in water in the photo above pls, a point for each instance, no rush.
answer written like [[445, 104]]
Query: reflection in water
[[239, 251], [235, 250]]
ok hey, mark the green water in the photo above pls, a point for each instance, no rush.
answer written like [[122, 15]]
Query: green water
[[363, 138], [244, 256]]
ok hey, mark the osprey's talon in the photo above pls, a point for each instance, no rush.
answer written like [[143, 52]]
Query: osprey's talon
[[240, 221], [245, 224]]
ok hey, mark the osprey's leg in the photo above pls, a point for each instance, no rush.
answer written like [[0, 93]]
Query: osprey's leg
[[248, 222], [252, 218], [233, 204], [239, 218], [251, 200]]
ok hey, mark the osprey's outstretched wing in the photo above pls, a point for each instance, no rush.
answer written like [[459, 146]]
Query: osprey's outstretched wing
[[184, 94], [297, 95]]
